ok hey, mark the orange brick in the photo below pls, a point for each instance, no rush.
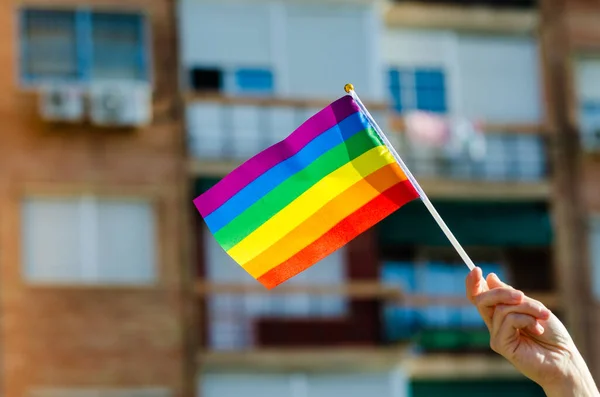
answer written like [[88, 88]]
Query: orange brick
[[97, 337]]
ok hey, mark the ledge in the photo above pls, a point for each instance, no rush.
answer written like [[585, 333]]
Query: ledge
[[464, 18], [460, 366], [267, 101], [375, 359], [319, 360], [437, 188], [356, 290]]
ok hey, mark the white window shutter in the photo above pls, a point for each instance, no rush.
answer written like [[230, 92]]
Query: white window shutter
[[51, 238], [126, 242]]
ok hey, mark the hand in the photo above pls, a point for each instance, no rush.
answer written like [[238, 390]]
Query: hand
[[529, 336]]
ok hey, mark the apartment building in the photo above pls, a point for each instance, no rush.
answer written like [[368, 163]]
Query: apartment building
[[120, 114], [341, 327], [92, 196]]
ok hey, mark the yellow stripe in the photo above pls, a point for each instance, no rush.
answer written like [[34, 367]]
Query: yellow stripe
[[309, 202], [329, 215]]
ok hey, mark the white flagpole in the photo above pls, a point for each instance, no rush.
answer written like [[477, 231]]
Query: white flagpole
[[349, 88]]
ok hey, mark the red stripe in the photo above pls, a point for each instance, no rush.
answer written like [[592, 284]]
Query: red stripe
[[353, 225]]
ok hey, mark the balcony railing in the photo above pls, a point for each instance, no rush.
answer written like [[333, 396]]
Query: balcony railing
[[513, 153], [230, 130], [247, 317], [236, 128], [508, 158]]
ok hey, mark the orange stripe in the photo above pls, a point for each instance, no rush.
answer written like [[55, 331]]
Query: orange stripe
[[361, 220], [346, 203]]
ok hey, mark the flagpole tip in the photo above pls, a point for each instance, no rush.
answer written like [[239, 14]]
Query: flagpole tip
[[348, 87]]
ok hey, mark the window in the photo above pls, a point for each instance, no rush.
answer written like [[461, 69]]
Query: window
[[205, 79], [231, 317], [80, 46], [588, 92], [417, 89], [88, 240], [590, 122], [249, 81], [595, 254], [254, 80], [433, 275]]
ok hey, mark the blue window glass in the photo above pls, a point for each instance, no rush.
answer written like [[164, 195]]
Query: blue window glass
[[395, 89], [254, 80], [589, 116], [417, 89], [49, 46], [430, 90], [118, 46], [82, 45], [400, 323]]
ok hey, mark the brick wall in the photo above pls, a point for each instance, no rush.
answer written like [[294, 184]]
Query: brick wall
[[63, 337]]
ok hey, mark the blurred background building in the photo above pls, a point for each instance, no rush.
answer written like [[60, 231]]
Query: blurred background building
[[118, 114]]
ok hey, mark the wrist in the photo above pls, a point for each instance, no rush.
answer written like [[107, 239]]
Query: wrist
[[576, 381]]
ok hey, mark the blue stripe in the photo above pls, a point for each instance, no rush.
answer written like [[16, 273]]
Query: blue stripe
[[262, 185]]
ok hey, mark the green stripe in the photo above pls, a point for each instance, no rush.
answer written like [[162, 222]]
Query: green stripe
[[287, 191]]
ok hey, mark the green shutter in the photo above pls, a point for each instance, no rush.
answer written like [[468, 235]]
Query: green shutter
[[475, 388], [473, 223]]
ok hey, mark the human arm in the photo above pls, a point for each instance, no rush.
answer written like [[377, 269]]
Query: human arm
[[531, 337]]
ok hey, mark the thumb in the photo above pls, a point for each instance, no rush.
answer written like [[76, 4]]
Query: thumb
[[475, 284], [494, 281]]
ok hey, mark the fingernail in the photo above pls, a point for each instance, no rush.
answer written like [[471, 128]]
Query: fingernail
[[545, 313], [539, 328]]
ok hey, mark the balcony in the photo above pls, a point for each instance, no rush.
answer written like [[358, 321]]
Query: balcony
[[292, 326], [489, 16], [225, 131], [515, 166]]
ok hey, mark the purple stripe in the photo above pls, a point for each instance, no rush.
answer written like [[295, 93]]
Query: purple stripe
[[271, 156]]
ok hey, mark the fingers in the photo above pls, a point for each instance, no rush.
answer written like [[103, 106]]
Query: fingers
[[504, 310], [486, 302], [494, 281], [508, 332], [509, 319], [475, 284], [529, 307], [498, 296]]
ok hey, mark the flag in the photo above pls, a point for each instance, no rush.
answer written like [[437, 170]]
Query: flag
[[303, 198]]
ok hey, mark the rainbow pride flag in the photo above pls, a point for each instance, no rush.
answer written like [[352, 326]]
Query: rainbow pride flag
[[303, 198]]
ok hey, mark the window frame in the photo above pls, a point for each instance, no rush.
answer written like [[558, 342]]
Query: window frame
[[64, 193], [84, 45]]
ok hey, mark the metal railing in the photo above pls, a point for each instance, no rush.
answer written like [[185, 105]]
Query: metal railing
[[233, 129], [236, 128]]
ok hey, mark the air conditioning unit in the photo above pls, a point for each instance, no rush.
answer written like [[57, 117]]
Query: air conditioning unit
[[120, 103], [63, 103]]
